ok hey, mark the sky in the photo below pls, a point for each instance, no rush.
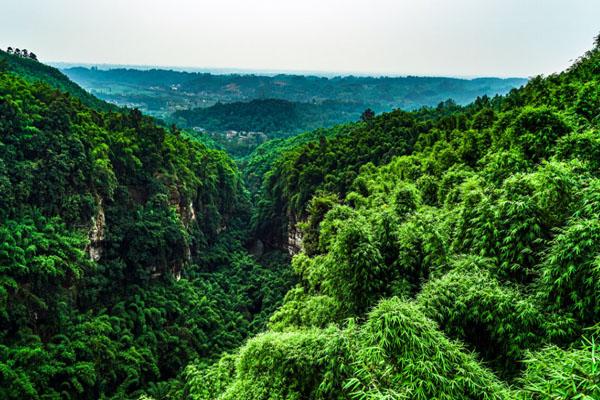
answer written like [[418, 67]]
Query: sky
[[381, 37]]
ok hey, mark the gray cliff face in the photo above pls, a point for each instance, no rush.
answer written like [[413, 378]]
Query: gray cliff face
[[187, 213], [187, 216], [96, 233], [294, 240]]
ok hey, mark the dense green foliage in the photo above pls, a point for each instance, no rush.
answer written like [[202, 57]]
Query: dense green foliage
[[271, 116], [395, 353], [263, 158], [447, 253], [34, 71], [443, 253], [121, 249], [260, 108], [331, 163], [240, 128]]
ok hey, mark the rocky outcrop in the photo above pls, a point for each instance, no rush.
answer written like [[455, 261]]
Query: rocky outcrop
[[294, 239], [96, 233], [187, 213], [187, 216]]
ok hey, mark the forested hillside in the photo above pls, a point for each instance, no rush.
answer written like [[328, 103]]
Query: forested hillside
[[240, 127], [448, 253], [272, 116], [121, 249], [35, 71]]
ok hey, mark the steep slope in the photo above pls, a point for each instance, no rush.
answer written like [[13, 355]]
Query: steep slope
[[262, 159], [121, 249], [464, 266], [331, 160], [35, 71]]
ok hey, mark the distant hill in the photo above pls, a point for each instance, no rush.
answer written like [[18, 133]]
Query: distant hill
[[162, 92], [270, 115], [34, 71]]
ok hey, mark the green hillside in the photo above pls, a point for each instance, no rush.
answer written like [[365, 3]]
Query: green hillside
[[449, 253], [241, 127], [121, 249], [272, 116], [34, 71]]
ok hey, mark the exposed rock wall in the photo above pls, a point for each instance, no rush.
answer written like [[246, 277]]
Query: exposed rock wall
[[294, 239], [96, 233]]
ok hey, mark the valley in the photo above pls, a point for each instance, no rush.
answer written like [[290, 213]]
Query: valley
[[176, 235]]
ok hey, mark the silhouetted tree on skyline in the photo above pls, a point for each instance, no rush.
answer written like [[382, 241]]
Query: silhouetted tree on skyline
[[367, 115], [21, 53]]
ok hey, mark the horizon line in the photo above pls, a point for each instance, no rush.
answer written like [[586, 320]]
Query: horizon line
[[268, 72]]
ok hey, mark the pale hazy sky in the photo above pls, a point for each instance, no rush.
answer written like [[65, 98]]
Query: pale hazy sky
[[420, 37]]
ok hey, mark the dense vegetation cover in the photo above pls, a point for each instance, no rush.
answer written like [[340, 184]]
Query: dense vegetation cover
[[449, 253], [121, 249], [240, 127], [35, 71], [272, 116], [261, 108], [444, 253]]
